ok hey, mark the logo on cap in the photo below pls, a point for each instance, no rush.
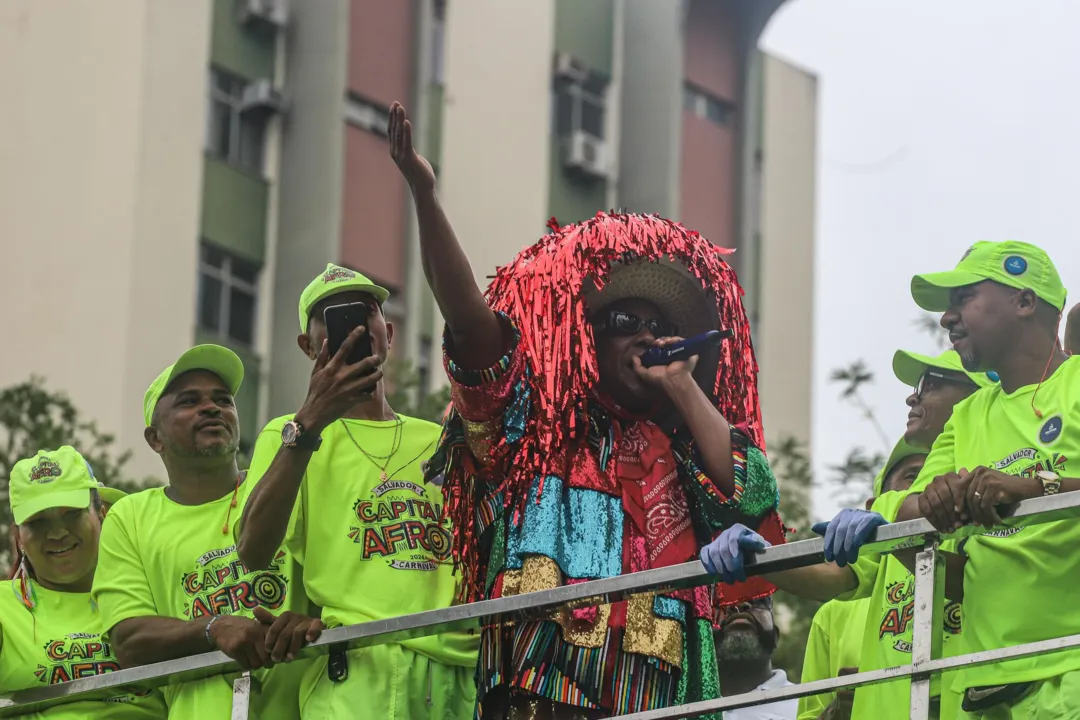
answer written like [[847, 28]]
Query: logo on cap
[[1051, 430], [1015, 265], [337, 274], [966, 253], [45, 471]]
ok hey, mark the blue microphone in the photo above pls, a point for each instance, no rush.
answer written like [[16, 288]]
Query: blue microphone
[[684, 348]]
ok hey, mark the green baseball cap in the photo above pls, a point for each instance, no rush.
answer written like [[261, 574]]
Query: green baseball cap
[[1017, 264], [221, 361], [51, 479], [901, 451], [909, 367], [333, 280]]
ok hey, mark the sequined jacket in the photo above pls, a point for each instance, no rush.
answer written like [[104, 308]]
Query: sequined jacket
[[572, 526]]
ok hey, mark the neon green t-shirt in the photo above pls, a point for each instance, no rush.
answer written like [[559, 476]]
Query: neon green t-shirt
[[887, 637], [161, 558], [1006, 570], [60, 640], [835, 642], [887, 642], [373, 546]]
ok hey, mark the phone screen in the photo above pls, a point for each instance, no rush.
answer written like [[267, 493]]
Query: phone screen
[[340, 321]]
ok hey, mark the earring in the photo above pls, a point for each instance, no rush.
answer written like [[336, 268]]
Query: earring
[[26, 590]]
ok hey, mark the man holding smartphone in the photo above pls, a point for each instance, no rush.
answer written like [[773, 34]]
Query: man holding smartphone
[[341, 483]]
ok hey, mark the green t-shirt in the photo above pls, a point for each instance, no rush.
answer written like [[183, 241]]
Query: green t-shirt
[[372, 543], [1008, 571], [835, 642], [60, 640], [161, 558], [887, 637], [887, 642]]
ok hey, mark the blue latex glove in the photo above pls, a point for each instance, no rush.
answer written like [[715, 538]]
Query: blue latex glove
[[725, 556], [846, 533]]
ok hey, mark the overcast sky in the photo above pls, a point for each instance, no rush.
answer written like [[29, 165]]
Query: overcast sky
[[942, 122]]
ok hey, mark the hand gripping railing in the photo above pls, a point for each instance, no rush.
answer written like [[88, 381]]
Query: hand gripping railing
[[929, 586]]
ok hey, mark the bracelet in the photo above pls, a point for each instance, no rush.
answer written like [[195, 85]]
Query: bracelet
[[206, 632]]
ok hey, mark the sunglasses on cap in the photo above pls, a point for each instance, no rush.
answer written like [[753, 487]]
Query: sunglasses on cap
[[620, 322], [931, 379]]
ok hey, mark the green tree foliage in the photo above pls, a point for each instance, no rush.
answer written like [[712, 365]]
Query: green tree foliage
[[930, 325], [852, 379], [794, 614], [853, 480], [405, 396], [34, 418]]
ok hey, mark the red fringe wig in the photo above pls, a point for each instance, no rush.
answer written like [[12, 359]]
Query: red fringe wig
[[543, 291]]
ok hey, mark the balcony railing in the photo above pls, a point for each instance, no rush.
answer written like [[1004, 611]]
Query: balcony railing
[[929, 588]]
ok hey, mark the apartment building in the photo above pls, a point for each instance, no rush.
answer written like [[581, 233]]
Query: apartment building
[[177, 172]]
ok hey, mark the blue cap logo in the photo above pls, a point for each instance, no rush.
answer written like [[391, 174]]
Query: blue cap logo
[[1051, 430], [1015, 265]]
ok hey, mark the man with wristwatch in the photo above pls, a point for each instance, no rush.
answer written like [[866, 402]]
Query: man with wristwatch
[[1002, 307], [341, 484]]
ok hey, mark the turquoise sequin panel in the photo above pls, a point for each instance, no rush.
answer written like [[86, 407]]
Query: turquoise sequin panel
[[517, 414], [579, 529], [669, 608]]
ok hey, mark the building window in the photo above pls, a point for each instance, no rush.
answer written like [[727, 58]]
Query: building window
[[367, 115], [579, 106], [707, 106], [438, 43], [232, 135], [227, 294]]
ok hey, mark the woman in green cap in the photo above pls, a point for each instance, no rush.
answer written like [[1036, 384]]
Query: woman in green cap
[[50, 631]]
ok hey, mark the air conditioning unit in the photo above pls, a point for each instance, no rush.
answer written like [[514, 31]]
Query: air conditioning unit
[[567, 67], [273, 13], [261, 97], [585, 154]]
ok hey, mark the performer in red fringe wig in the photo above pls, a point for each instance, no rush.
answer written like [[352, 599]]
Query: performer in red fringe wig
[[565, 460]]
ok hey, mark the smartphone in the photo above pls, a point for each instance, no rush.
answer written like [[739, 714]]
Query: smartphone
[[684, 348], [340, 321]]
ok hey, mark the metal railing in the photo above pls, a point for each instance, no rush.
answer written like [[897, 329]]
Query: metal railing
[[929, 588]]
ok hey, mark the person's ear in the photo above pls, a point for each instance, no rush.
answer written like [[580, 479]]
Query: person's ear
[[1026, 303], [303, 341], [153, 439], [389, 334], [869, 503]]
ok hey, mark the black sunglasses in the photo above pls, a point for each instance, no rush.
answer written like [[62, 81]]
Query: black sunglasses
[[938, 378], [624, 323]]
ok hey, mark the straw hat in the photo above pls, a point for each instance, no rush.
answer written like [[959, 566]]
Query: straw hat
[[677, 294]]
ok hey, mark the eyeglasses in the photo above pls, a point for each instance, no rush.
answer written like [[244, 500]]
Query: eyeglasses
[[624, 323], [930, 380]]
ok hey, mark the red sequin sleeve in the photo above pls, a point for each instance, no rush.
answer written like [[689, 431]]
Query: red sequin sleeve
[[481, 397]]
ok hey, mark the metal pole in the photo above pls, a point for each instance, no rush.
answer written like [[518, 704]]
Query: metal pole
[[926, 627], [241, 697]]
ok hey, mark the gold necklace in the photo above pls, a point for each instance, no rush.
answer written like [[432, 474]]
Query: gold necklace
[[395, 444], [422, 453]]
